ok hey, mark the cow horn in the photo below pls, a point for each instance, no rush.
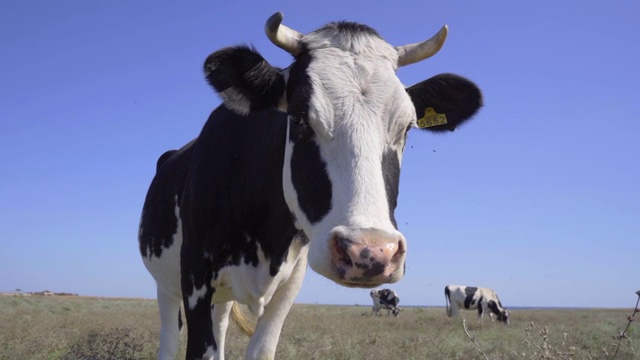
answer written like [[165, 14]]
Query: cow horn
[[282, 36], [412, 53]]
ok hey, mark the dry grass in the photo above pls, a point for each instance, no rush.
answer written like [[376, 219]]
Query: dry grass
[[80, 328]]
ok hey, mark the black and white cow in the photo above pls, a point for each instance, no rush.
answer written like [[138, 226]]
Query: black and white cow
[[297, 163], [474, 298], [385, 299]]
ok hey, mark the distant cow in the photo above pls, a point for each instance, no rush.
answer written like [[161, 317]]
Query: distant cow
[[472, 298], [385, 299]]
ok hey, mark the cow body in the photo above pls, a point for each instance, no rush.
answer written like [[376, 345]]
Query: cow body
[[474, 298], [295, 165], [386, 299]]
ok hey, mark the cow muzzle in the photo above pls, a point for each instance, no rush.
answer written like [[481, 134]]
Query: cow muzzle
[[367, 257]]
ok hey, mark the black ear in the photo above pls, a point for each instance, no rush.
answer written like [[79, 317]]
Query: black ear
[[244, 79], [445, 101]]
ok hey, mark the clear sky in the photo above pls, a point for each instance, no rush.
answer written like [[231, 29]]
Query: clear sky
[[538, 197]]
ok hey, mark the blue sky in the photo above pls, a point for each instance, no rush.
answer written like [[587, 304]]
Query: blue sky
[[537, 197]]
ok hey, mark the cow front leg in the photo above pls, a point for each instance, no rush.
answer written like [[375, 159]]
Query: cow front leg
[[480, 314], [197, 293], [265, 339], [220, 319]]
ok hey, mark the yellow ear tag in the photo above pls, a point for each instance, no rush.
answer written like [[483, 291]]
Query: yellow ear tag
[[431, 118]]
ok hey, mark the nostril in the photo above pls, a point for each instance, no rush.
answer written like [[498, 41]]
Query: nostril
[[399, 252], [343, 243], [341, 247]]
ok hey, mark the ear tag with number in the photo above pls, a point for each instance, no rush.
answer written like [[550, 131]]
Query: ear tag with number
[[431, 118]]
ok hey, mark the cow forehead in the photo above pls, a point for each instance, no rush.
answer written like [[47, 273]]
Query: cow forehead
[[353, 38], [354, 94], [351, 78]]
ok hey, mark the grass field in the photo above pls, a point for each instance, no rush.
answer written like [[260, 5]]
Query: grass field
[[106, 328]]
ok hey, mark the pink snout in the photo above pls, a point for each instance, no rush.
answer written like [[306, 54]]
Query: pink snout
[[367, 257]]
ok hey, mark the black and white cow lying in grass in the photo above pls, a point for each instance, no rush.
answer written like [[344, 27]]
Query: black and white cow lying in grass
[[474, 298], [295, 164], [385, 299]]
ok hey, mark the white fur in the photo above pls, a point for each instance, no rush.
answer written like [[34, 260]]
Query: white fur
[[196, 295], [166, 272], [358, 110], [253, 285], [220, 318], [265, 339], [235, 101]]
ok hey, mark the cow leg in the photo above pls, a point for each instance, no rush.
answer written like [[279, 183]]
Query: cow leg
[[480, 313], [265, 339], [169, 307], [197, 293], [220, 319], [453, 310]]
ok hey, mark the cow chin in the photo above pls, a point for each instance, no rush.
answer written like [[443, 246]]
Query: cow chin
[[355, 279]]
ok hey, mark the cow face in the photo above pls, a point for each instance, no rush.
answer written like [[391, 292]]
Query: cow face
[[503, 316], [348, 117]]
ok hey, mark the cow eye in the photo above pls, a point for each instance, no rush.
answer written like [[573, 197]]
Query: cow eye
[[300, 128], [297, 120]]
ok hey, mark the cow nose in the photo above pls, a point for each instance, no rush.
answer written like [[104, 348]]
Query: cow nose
[[367, 257]]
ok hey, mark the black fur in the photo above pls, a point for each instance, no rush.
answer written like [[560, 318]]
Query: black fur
[[493, 306], [247, 72], [391, 174], [387, 297], [348, 27], [456, 97], [234, 198], [233, 202], [470, 291], [158, 223], [309, 175]]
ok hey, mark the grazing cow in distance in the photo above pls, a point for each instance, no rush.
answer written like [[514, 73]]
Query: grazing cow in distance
[[385, 299], [474, 298], [296, 164]]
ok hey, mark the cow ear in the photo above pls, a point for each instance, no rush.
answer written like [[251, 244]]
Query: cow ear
[[244, 79], [445, 101]]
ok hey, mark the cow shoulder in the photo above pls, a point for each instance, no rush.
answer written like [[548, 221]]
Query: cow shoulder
[[244, 79], [159, 223], [163, 158], [445, 101]]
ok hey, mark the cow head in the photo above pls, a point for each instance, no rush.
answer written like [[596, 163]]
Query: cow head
[[503, 316], [375, 294], [348, 118]]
